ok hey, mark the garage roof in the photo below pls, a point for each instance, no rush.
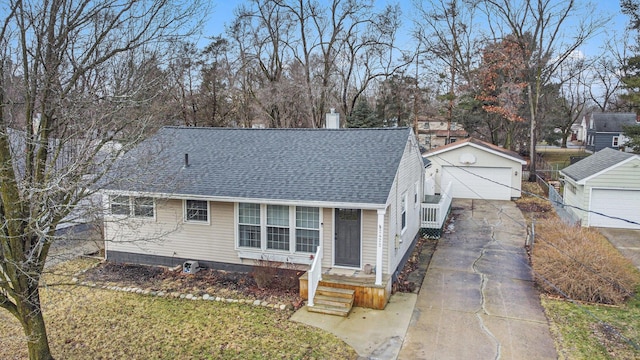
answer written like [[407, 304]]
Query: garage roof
[[596, 164], [494, 149]]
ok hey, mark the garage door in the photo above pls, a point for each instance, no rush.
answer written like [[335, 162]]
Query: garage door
[[623, 204], [478, 182]]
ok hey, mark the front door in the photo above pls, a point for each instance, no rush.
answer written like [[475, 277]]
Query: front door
[[347, 240]]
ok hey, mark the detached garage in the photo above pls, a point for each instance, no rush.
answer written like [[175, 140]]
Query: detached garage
[[476, 170], [603, 190]]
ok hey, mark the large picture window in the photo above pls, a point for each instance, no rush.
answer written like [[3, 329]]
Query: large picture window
[[278, 227], [249, 225], [197, 211]]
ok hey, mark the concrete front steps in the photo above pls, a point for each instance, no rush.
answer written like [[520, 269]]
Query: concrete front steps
[[332, 301]]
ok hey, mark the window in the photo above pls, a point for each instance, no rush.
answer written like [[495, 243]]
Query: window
[[197, 211], [249, 225], [307, 229], [119, 205], [615, 141], [143, 207], [403, 212], [277, 227], [416, 196], [128, 206]]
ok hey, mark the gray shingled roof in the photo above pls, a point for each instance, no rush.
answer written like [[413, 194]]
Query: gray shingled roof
[[612, 122], [595, 163], [339, 165]]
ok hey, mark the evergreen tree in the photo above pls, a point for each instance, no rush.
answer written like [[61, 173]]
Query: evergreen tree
[[631, 78], [633, 133], [363, 116]]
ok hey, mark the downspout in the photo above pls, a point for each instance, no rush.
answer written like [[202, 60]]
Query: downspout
[[380, 245]]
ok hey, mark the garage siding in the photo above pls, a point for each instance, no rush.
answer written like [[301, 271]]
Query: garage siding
[[483, 159], [612, 193]]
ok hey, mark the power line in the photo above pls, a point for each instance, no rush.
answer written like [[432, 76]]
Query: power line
[[463, 168]]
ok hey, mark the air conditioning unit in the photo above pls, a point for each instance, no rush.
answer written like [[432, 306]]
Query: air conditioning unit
[[190, 267]]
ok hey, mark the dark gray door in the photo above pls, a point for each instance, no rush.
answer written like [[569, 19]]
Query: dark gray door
[[347, 241]]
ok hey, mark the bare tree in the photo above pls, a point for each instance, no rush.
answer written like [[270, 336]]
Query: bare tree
[[445, 30], [56, 138], [540, 26], [607, 72], [573, 95]]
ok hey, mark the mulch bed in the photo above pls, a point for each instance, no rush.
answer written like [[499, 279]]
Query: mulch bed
[[206, 281], [284, 286]]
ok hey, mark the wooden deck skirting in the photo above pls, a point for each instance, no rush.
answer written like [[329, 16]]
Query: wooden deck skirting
[[367, 293]]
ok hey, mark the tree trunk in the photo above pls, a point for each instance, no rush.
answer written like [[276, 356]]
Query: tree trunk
[[33, 324], [532, 137]]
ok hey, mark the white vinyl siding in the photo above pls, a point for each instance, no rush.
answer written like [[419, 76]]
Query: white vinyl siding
[[169, 236], [396, 241]]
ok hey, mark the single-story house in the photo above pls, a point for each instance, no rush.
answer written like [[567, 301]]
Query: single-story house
[[476, 170], [230, 198], [606, 130], [603, 190]]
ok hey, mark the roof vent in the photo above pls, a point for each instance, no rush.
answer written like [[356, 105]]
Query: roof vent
[[186, 160]]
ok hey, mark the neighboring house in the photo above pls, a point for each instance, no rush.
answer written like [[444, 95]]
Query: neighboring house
[[434, 133], [229, 198], [581, 129], [608, 183], [605, 130], [477, 170]]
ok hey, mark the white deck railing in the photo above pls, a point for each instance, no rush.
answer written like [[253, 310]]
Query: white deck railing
[[315, 275], [434, 215]]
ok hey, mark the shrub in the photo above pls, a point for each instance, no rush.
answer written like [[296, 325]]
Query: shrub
[[582, 264], [265, 273], [276, 275]]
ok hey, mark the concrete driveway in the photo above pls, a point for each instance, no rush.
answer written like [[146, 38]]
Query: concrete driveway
[[626, 241], [477, 300]]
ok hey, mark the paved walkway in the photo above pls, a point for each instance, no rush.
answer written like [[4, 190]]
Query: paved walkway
[[477, 300], [626, 241]]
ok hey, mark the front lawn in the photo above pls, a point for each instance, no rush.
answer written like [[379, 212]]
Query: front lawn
[[91, 323], [581, 336]]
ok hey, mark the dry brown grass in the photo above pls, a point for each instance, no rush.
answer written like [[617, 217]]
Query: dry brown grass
[[90, 323], [582, 264]]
